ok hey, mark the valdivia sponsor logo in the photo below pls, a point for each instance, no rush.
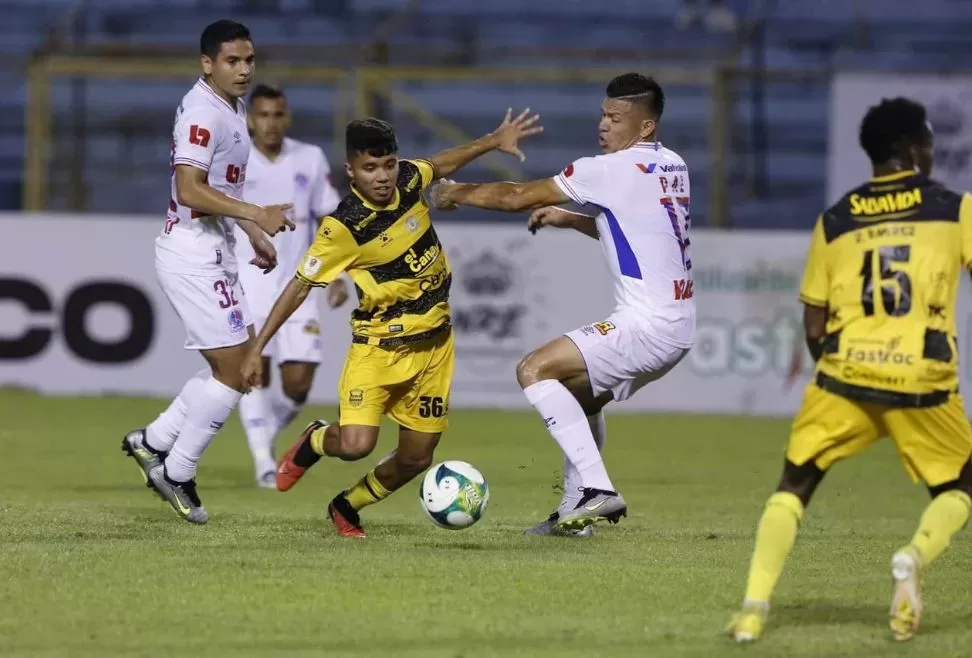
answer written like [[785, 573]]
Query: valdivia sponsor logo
[[750, 347], [764, 278]]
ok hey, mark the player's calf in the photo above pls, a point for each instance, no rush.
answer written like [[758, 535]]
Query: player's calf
[[412, 457]]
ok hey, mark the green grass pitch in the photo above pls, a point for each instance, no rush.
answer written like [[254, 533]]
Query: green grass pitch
[[91, 564]]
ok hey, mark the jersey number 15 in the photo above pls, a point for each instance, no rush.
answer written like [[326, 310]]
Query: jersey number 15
[[895, 283], [675, 206]]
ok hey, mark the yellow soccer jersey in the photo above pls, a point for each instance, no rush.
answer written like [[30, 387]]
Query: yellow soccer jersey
[[886, 262], [394, 257]]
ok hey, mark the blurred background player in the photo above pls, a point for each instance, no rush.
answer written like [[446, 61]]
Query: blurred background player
[[282, 170], [400, 363], [640, 192], [879, 293], [197, 269]]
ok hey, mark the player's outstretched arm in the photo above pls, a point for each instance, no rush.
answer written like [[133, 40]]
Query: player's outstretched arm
[[508, 197], [506, 138], [561, 218], [289, 301], [193, 191]]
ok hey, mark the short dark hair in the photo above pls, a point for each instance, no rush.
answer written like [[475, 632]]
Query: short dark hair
[[892, 126], [372, 136], [639, 89], [220, 32], [266, 91]]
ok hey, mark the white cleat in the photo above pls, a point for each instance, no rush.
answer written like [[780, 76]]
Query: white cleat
[[906, 604]]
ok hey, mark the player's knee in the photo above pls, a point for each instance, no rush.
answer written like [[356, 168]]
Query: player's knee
[[962, 483], [356, 442], [296, 390], [801, 481], [531, 369], [229, 377], [411, 464]]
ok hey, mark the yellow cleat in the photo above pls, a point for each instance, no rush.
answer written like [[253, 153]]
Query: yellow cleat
[[906, 605], [747, 624]]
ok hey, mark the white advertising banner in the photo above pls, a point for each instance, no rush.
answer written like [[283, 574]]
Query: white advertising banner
[[949, 103], [81, 313]]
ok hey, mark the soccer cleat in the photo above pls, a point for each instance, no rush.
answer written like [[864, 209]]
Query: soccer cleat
[[594, 505], [345, 518], [288, 473], [548, 527], [747, 624], [181, 496], [134, 446], [906, 604], [267, 480]]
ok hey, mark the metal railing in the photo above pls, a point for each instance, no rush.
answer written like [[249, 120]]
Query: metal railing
[[357, 89]]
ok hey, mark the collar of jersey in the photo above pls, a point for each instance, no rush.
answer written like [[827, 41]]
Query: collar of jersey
[[895, 176], [205, 85], [370, 206]]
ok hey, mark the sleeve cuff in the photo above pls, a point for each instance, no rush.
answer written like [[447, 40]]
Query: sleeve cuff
[[313, 284], [567, 189], [189, 161], [813, 301]]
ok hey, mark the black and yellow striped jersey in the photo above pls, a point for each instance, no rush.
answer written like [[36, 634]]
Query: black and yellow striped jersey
[[885, 261], [394, 257]]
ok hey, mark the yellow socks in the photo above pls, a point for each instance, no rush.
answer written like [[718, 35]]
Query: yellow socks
[[367, 491], [317, 440], [774, 539], [944, 516]]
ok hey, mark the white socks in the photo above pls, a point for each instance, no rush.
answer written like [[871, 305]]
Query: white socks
[[572, 481], [260, 426], [566, 422], [162, 433], [284, 410], [206, 413]]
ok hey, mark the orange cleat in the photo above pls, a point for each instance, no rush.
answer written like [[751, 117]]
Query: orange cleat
[[288, 472], [345, 518]]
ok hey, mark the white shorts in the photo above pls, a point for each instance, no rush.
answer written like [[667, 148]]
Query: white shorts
[[299, 340], [211, 306], [622, 355]]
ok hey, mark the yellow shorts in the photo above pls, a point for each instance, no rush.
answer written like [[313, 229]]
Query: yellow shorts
[[934, 443], [409, 383]]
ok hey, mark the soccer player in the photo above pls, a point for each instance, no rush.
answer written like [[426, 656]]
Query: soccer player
[[282, 170], [400, 361], [639, 192], [879, 313], [197, 268]]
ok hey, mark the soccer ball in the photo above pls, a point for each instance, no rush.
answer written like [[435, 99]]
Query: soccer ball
[[454, 495]]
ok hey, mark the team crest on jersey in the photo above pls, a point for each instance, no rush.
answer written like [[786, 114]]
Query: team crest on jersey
[[301, 181], [604, 328], [312, 327], [311, 266], [412, 224], [236, 320], [237, 137], [355, 397]]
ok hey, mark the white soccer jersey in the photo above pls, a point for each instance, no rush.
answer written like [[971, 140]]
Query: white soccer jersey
[[211, 135], [642, 195], [300, 175]]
